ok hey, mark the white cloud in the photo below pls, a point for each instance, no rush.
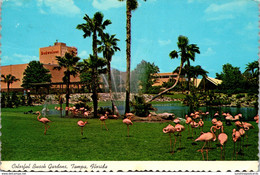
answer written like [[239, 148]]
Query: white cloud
[[251, 26], [61, 7], [164, 42], [83, 54], [107, 4], [25, 58], [17, 59], [227, 7], [230, 10], [17, 25], [220, 17], [208, 52]]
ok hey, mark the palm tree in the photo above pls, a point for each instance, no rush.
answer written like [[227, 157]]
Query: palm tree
[[94, 26], [9, 79], [186, 52], [109, 47], [253, 68], [68, 62], [130, 6], [195, 71]]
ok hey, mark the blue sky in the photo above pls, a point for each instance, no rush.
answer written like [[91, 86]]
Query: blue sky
[[226, 31]]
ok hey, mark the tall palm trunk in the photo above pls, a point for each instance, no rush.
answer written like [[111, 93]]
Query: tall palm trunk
[[67, 93], [166, 90], [94, 80], [110, 85], [8, 88], [128, 56]]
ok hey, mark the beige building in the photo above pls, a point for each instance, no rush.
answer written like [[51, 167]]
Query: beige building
[[47, 56]]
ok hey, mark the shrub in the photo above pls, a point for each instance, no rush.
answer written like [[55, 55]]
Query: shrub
[[238, 96], [141, 108]]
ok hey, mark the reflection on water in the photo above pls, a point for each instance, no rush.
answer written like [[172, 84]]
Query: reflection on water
[[180, 111]]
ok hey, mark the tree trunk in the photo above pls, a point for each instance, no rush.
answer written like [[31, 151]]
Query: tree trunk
[[94, 80], [8, 88], [67, 94], [128, 56], [110, 85], [166, 90]]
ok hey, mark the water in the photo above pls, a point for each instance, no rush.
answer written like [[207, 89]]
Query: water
[[180, 110]]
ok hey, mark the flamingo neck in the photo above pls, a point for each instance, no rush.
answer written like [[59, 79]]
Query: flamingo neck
[[38, 117]]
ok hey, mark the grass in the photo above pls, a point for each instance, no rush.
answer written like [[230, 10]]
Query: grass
[[23, 139]]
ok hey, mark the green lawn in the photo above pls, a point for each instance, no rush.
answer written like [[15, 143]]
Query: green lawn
[[23, 139]]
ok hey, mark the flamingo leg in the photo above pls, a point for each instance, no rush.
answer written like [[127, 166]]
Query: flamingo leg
[[203, 146], [170, 142], [45, 129], [105, 125], [191, 131], [221, 153], [234, 150], [189, 128], [207, 152], [224, 151], [82, 131], [128, 130], [174, 144], [180, 142]]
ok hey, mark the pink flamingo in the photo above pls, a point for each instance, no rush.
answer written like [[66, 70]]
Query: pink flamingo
[[222, 137], [128, 122], [206, 137], [242, 134], [44, 120], [218, 125], [170, 129], [82, 124], [256, 118], [246, 127], [176, 121], [193, 125], [179, 128], [236, 136], [201, 124], [188, 120], [102, 119], [214, 121]]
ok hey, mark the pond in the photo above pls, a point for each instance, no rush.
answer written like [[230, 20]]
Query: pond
[[180, 110]]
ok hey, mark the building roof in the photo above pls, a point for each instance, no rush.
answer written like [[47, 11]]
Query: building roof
[[214, 81]]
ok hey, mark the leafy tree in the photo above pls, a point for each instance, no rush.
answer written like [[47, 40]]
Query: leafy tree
[[141, 108], [142, 76], [251, 75], [231, 77], [68, 62], [131, 5], [92, 27], [186, 52], [196, 71], [109, 47], [87, 68], [9, 79], [253, 68], [35, 73]]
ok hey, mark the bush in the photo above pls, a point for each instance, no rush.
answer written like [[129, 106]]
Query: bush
[[238, 96], [15, 100], [141, 108], [154, 90], [102, 110], [3, 100]]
